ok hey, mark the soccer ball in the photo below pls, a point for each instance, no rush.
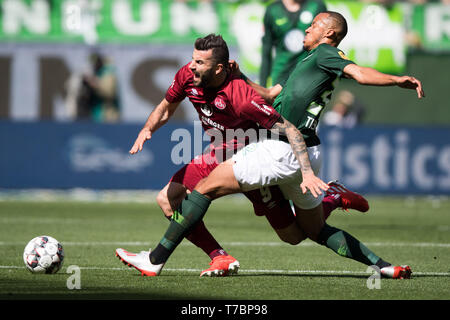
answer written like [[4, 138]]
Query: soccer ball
[[43, 254]]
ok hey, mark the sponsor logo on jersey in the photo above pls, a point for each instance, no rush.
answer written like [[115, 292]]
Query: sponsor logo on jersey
[[263, 108], [220, 104], [212, 123], [206, 109]]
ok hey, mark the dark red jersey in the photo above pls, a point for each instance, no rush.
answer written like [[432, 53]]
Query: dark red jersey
[[234, 105]]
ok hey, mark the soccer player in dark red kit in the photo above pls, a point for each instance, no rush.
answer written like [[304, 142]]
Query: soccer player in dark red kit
[[225, 103]]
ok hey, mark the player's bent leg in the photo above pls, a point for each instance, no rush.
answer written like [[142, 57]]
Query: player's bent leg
[[170, 197], [270, 202], [291, 234], [347, 246], [311, 221], [220, 182]]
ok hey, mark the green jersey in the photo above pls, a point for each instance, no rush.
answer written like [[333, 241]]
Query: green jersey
[[309, 88], [284, 31]]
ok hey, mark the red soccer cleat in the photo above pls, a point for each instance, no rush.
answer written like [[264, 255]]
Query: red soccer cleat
[[397, 272], [221, 266], [350, 199]]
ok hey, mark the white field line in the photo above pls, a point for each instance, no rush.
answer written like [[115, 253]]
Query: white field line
[[236, 244], [249, 271]]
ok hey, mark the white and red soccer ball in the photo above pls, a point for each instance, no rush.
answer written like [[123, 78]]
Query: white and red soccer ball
[[43, 254]]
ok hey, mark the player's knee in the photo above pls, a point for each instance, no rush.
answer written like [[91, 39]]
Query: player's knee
[[292, 234], [164, 203], [292, 239], [161, 198]]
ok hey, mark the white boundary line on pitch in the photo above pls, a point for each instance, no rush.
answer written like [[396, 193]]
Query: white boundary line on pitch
[[250, 271], [237, 244]]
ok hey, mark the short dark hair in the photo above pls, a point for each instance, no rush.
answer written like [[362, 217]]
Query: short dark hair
[[340, 24], [219, 47]]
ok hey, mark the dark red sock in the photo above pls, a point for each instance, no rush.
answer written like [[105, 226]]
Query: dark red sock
[[217, 252], [329, 203], [201, 237]]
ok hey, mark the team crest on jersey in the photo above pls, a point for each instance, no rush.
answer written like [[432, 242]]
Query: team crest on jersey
[[194, 92], [207, 110], [343, 56], [220, 104]]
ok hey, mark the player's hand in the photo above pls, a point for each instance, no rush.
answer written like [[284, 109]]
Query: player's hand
[[143, 136], [314, 184], [234, 66], [408, 82]]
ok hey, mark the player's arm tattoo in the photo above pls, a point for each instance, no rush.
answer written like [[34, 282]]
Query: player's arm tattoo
[[295, 138]]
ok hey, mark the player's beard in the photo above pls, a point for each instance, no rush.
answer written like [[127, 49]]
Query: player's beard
[[205, 79]]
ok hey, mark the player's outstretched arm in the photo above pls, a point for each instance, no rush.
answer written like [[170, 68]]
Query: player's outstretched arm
[[268, 94], [159, 116], [370, 76], [295, 137]]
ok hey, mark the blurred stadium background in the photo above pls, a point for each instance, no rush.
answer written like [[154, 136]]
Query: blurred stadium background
[[398, 145]]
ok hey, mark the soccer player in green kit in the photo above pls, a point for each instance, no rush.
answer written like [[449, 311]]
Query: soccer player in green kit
[[285, 22], [271, 162]]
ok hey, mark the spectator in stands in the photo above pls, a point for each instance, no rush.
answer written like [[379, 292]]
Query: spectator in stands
[[94, 94], [346, 111]]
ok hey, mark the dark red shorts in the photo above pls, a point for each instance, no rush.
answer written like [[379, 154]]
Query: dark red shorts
[[267, 201]]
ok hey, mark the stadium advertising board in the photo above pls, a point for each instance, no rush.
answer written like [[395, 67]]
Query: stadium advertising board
[[431, 24], [43, 46], [388, 160], [376, 36], [373, 160]]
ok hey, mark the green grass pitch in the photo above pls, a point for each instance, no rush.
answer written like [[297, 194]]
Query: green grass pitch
[[414, 231]]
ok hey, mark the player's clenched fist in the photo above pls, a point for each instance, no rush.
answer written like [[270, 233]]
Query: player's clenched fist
[[143, 136]]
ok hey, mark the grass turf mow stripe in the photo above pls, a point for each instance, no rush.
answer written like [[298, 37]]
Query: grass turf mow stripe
[[187, 270], [238, 244]]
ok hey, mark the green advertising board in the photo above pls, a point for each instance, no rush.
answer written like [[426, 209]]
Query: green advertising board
[[116, 21], [431, 24], [376, 33], [376, 36]]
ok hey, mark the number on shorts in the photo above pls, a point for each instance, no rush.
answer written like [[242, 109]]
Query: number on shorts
[[266, 194]]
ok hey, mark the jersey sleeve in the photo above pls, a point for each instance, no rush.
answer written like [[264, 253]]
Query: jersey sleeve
[[332, 60], [176, 92], [251, 106]]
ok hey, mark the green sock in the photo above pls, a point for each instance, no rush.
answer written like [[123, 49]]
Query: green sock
[[191, 211], [347, 246]]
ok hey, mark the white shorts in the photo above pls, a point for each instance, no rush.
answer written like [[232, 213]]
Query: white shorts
[[272, 162]]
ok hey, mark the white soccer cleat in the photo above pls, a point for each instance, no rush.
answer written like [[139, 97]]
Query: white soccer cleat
[[396, 272], [140, 261]]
